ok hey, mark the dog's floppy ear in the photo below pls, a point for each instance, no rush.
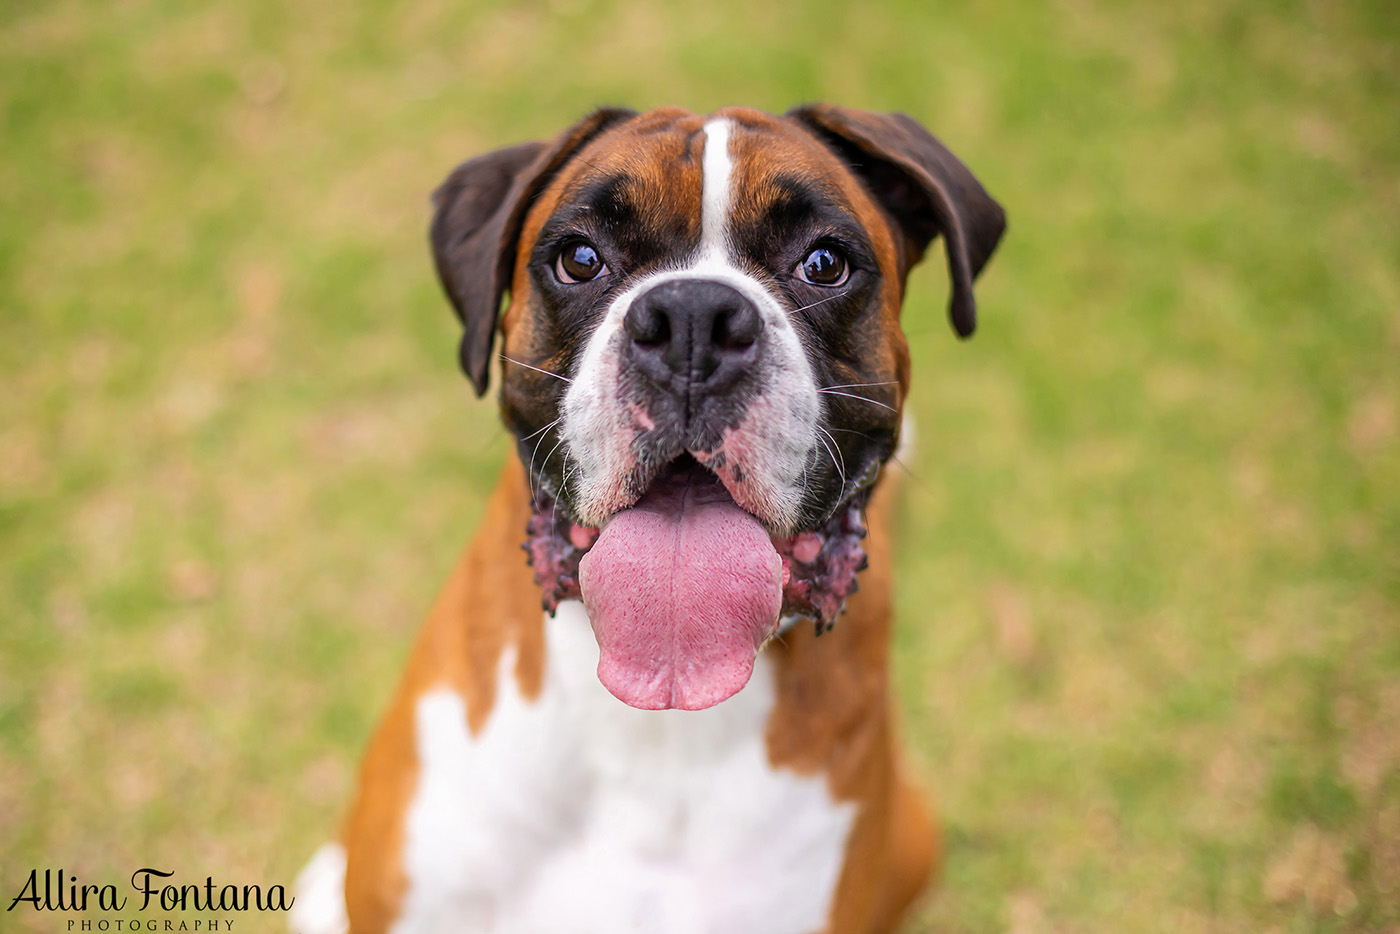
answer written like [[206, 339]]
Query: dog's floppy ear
[[924, 186], [477, 215]]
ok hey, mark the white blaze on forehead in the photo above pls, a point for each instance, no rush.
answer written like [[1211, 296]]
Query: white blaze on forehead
[[714, 210]]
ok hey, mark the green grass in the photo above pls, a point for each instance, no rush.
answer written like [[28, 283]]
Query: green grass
[[1149, 655]]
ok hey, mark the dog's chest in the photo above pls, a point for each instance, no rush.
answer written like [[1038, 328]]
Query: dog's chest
[[575, 813]]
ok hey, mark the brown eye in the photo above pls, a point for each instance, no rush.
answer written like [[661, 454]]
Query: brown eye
[[825, 265], [579, 261]]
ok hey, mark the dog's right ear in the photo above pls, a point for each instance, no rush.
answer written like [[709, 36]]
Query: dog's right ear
[[477, 215], [925, 187]]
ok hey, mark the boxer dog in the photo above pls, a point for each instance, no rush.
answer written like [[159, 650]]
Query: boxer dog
[[671, 711]]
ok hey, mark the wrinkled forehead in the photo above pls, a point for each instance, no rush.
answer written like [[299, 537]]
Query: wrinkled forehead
[[780, 171], [645, 183], [640, 183]]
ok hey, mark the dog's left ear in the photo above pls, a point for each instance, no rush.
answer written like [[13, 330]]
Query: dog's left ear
[[924, 186], [477, 215]]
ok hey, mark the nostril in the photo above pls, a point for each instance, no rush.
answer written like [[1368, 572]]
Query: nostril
[[658, 335], [736, 328], [646, 327]]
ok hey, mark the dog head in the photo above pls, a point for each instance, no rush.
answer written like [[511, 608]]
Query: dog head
[[702, 361]]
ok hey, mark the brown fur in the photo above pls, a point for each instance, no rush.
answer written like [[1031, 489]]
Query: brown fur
[[834, 717]]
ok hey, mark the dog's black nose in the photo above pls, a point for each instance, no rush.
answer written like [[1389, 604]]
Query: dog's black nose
[[693, 335]]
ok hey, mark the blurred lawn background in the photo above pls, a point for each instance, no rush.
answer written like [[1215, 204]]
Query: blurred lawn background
[[1150, 577]]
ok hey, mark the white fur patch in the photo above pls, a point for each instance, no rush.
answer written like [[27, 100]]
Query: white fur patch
[[576, 814], [718, 170], [320, 894], [908, 442]]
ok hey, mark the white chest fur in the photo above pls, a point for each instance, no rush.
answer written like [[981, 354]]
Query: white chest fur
[[574, 813]]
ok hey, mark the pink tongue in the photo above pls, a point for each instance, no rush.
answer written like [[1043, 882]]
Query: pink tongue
[[682, 589]]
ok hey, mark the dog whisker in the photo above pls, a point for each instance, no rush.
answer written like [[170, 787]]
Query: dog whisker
[[815, 304], [568, 472], [851, 395], [802, 480], [535, 368], [529, 474], [888, 382], [540, 431], [914, 478], [841, 465], [543, 464]]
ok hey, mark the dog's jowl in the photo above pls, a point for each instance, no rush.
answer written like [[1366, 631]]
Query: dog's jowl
[[670, 712]]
